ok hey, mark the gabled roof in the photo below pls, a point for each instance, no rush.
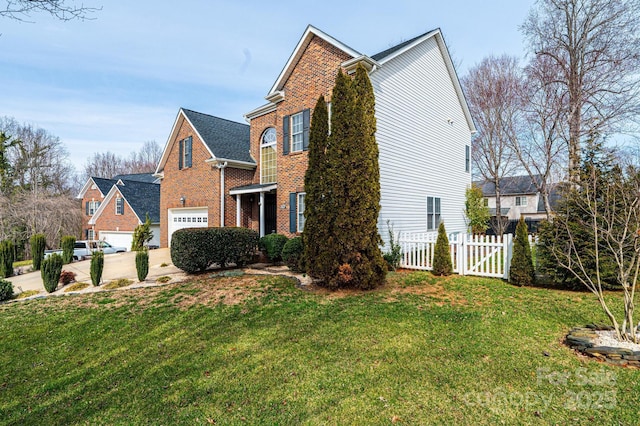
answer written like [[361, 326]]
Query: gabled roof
[[225, 140], [378, 60], [390, 51], [511, 185], [308, 34], [143, 198], [103, 185], [138, 177], [555, 195]]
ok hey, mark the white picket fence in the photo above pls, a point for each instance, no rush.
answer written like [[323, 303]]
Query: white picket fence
[[482, 255]]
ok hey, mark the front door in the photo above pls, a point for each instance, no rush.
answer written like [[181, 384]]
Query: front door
[[270, 213]]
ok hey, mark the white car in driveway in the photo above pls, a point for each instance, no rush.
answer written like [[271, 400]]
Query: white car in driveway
[[84, 249]]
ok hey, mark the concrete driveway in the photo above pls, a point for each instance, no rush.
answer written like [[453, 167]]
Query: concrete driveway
[[116, 266]]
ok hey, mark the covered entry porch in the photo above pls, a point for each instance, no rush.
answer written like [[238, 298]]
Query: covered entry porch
[[266, 196]]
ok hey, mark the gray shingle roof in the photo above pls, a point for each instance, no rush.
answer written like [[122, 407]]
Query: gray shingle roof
[[104, 185], [144, 198], [138, 177], [554, 196], [512, 185], [225, 138], [391, 50]]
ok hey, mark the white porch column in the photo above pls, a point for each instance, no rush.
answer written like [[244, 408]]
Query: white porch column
[[262, 214], [238, 209], [222, 195]]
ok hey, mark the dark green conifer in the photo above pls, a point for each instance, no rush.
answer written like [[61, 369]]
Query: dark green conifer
[[38, 243], [317, 214], [521, 271], [348, 199], [442, 254], [7, 257], [68, 244]]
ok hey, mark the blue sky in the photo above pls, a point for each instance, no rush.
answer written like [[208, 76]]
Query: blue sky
[[112, 83]]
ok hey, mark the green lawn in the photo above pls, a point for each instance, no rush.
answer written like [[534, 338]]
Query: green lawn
[[257, 350]]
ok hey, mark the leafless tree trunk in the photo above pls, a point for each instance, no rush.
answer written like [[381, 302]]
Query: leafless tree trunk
[[540, 144], [595, 47], [493, 89]]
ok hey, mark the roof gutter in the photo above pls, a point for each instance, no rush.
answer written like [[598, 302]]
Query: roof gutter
[[245, 165]]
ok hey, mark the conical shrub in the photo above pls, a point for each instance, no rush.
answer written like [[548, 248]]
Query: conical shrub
[[7, 253], [50, 270], [521, 271], [38, 243], [142, 264], [68, 242], [441, 255], [97, 265]]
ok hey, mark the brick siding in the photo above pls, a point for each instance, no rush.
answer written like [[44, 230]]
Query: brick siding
[[312, 76], [110, 221]]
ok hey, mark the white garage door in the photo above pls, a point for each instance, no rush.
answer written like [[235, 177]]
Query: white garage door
[[117, 239], [187, 218]]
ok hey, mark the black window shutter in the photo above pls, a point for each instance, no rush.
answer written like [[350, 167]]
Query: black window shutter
[[306, 118], [285, 135], [292, 213], [86, 208], [180, 154], [188, 151]]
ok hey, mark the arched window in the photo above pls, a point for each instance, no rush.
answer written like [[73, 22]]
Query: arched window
[[268, 161]]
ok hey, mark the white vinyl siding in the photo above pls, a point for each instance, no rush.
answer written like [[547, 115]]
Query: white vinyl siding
[[422, 133]]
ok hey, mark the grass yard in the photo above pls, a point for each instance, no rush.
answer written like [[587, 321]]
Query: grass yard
[[257, 350]]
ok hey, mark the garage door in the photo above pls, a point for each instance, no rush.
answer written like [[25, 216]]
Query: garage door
[[187, 218], [117, 239]]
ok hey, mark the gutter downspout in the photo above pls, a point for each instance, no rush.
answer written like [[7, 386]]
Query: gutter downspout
[[221, 167]]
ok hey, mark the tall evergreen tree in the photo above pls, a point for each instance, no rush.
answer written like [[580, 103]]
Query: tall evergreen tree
[[350, 195], [317, 221]]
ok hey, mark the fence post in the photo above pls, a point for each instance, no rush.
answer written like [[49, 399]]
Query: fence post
[[507, 243], [462, 253]]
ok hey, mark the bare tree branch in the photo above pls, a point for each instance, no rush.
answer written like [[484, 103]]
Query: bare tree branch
[[64, 10]]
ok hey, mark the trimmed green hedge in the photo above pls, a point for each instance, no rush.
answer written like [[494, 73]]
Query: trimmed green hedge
[[6, 290], [272, 245], [293, 254], [195, 249]]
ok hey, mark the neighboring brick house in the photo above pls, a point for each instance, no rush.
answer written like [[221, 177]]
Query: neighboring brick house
[[92, 195], [423, 132], [112, 208], [203, 157]]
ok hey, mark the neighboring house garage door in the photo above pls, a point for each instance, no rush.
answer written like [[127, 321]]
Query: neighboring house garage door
[[187, 218], [117, 239]]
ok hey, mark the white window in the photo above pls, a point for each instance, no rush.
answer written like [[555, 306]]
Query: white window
[[268, 157], [185, 153], [467, 158], [297, 128], [433, 213], [90, 234], [119, 206], [521, 201], [92, 206], [300, 210]]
